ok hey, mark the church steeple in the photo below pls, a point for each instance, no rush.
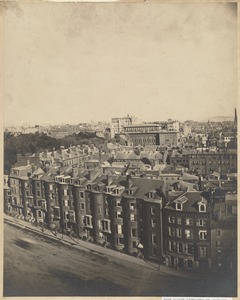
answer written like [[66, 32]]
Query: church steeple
[[235, 118]]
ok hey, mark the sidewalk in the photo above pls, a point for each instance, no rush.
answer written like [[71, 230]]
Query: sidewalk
[[90, 247]]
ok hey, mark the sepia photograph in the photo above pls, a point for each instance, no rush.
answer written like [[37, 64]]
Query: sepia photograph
[[120, 149]]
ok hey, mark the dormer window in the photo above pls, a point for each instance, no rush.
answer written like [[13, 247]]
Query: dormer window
[[179, 206], [89, 187], [179, 203], [130, 192], [151, 195], [98, 188], [117, 191], [202, 208]]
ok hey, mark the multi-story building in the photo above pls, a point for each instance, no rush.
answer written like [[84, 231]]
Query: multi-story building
[[205, 163], [125, 213], [19, 184], [151, 134], [187, 234], [224, 234], [179, 159], [117, 124]]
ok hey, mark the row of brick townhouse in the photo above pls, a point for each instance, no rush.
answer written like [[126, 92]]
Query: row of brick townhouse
[[163, 221]]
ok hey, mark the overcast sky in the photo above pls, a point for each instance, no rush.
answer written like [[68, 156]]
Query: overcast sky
[[71, 63]]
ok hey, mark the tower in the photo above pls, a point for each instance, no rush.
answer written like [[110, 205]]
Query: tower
[[235, 118]]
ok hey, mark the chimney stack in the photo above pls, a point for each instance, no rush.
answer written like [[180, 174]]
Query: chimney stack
[[129, 181]]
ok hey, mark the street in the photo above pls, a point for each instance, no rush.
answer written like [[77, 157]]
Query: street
[[35, 265]]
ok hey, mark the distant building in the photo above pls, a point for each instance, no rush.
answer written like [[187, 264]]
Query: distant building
[[187, 129], [117, 124], [206, 163], [151, 134]]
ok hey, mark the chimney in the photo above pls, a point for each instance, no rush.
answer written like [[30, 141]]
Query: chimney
[[109, 179], [92, 175], [33, 168], [45, 153], [129, 181], [100, 155], [61, 149]]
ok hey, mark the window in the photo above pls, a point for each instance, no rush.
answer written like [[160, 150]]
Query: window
[[72, 215], [106, 211], [56, 211], [218, 232], [106, 225], [99, 210], [119, 229], [132, 217], [88, 221], [119, 241], [81, 195], [202, 235], [133, 232], [171, 231], [154, 239], [153, 210], [170, 245], [130, 192], [178, 206], [179, 221], [189, 249], [189, 222], [171, 219], [118, 203], [27, 193], [132, 206], [202, 252], [65, 202], [118, 214], [153, 222], [179, 232], [188, 234], [117, 191], [38, 184], [151, 195], [89, 187], [202, 208], [39, 213], [201, 222], [179, 247], [82, 205], [65, 215], [50, 187], [64, 192], [38, 193]]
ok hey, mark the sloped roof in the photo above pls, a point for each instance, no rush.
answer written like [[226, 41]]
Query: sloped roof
[[47, 178], [187, 176], [191, 205], [39, 171]]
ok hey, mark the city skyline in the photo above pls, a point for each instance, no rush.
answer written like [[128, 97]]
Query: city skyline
[[76, 123], [80, 62]]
